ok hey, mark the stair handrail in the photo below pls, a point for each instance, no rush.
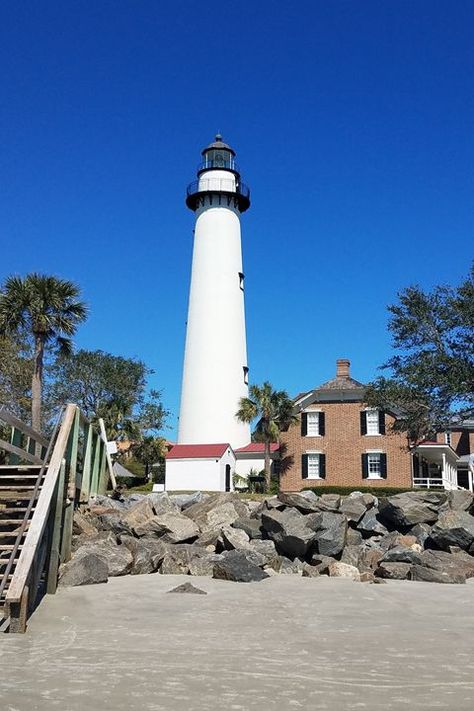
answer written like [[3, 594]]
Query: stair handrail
[[32, 500], [20, 428], [15, 592]]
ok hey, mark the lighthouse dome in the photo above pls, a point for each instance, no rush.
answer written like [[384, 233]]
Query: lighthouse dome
[[219, 145]]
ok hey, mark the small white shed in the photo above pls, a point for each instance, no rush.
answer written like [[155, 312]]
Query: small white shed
[[200, 467], [252, 458]]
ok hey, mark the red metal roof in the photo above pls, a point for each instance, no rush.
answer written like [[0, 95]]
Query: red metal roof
[[258, 447], [197, 451]]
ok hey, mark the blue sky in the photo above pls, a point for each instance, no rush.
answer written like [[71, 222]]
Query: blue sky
[[353, 126]]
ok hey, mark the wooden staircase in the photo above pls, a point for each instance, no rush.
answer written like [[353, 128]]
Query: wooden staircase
[[20, 487]]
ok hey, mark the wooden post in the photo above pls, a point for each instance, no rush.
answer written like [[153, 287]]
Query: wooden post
[[97, 451], [16, 440], [113, 481], [71, 457], [19, 613], [104, 471], [52, 574], [87, 466]]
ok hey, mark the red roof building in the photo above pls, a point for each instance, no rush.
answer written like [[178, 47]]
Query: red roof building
[[197, 451]]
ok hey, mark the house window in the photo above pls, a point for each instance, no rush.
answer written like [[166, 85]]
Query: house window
[[372, 422], [241, 280], [374, 465], [447, 438], [313, 466], [312, 428], [246, 375]]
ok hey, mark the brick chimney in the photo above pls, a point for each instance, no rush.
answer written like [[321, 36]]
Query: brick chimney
[[343, 368]]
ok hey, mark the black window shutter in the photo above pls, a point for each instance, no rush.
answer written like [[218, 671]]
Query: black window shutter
[[304, 466], [304, 424], [363, 422], [322, 424], [383, 466], [322, 466], [365, 466], [381, 422]]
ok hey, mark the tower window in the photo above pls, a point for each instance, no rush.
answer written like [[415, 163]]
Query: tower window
[[241, 280], [246, 375]]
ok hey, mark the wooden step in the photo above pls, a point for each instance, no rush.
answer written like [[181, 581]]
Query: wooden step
[[23, 477], [10, 534], [13, 487], [4, 547], [14, 509], [12, 522]]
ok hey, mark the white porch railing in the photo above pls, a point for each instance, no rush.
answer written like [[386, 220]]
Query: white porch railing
[[434, 483]]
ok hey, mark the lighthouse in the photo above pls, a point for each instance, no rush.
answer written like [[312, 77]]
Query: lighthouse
[[215, 371]]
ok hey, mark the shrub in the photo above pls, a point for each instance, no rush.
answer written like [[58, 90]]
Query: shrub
[[346, 490]]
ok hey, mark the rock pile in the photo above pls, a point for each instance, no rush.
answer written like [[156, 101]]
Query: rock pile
[[415, 536]]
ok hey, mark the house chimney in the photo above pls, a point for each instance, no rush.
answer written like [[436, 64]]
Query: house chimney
[[342, 369]]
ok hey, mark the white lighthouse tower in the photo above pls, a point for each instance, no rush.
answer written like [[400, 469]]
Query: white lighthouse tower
[[215, 373]]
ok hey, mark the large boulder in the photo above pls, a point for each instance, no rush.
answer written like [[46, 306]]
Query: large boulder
[[330, 532], [321, 562], [84, 568], [343, 570], [174, 527], [431, 575], [369, 524], [460, 563], [235, 566], [394, 571], [83, 524], [329, 502], [118, 558], [217, 511], [411, 507], [460, 500], [402, 554], [284, 566], [289, 530], [234, 538], [266, 549], [304, 501], [184, 501], [453, 528], [251, 526], [148, 553], [141, 512], [203, 564], [177, 559], [352, 555], [354, 507]]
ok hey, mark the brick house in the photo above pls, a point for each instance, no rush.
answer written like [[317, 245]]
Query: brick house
[[339, 441]]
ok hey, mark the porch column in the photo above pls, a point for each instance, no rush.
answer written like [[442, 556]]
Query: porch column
[[444, 473]]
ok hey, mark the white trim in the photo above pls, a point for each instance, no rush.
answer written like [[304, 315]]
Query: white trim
[[318, 455]]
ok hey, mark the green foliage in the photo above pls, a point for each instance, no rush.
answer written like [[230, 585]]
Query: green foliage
[[111, 387], [431, 379], [16, 365], [346, 490], [149, 451], [273, 410]]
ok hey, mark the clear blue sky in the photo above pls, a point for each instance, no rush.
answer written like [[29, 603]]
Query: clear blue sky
[[353, 125]]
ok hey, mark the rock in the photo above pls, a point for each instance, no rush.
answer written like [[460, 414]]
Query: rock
[[369, 524], [310, 571], [353, 508], [118, 558], [322, 562], [343, 570], [453, 528], [430, 575], [460, 500], [402, 554], [411, 508], [251, 526], [82, 525], [235, 538], [177, 559], [353, 537], [289, 531], [148, 553], [394, 571], [369, 558], [264, 548], [367, 576], [330, 531], [139, 514], [274, 503], [84, 568], [203, 565], [329, 502], [459, 563], [285, 566], [351, 555], [113, 522], [235, 566], [162, 503], [175, 527], [217, 511], [184, 501], [305, 502], [421, 531], [188, 588]]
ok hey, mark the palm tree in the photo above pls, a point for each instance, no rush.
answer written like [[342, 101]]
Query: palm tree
[[274, 410], [47, 310]]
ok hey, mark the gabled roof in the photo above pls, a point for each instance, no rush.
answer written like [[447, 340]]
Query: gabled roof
[[197, 451], [341, 383], [258, 447]]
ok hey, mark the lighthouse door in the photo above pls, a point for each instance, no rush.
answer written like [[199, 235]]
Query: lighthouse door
[[227, 477]]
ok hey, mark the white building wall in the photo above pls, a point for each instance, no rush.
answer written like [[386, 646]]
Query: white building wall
[[243, 466], [198, 474], [215, 350]]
